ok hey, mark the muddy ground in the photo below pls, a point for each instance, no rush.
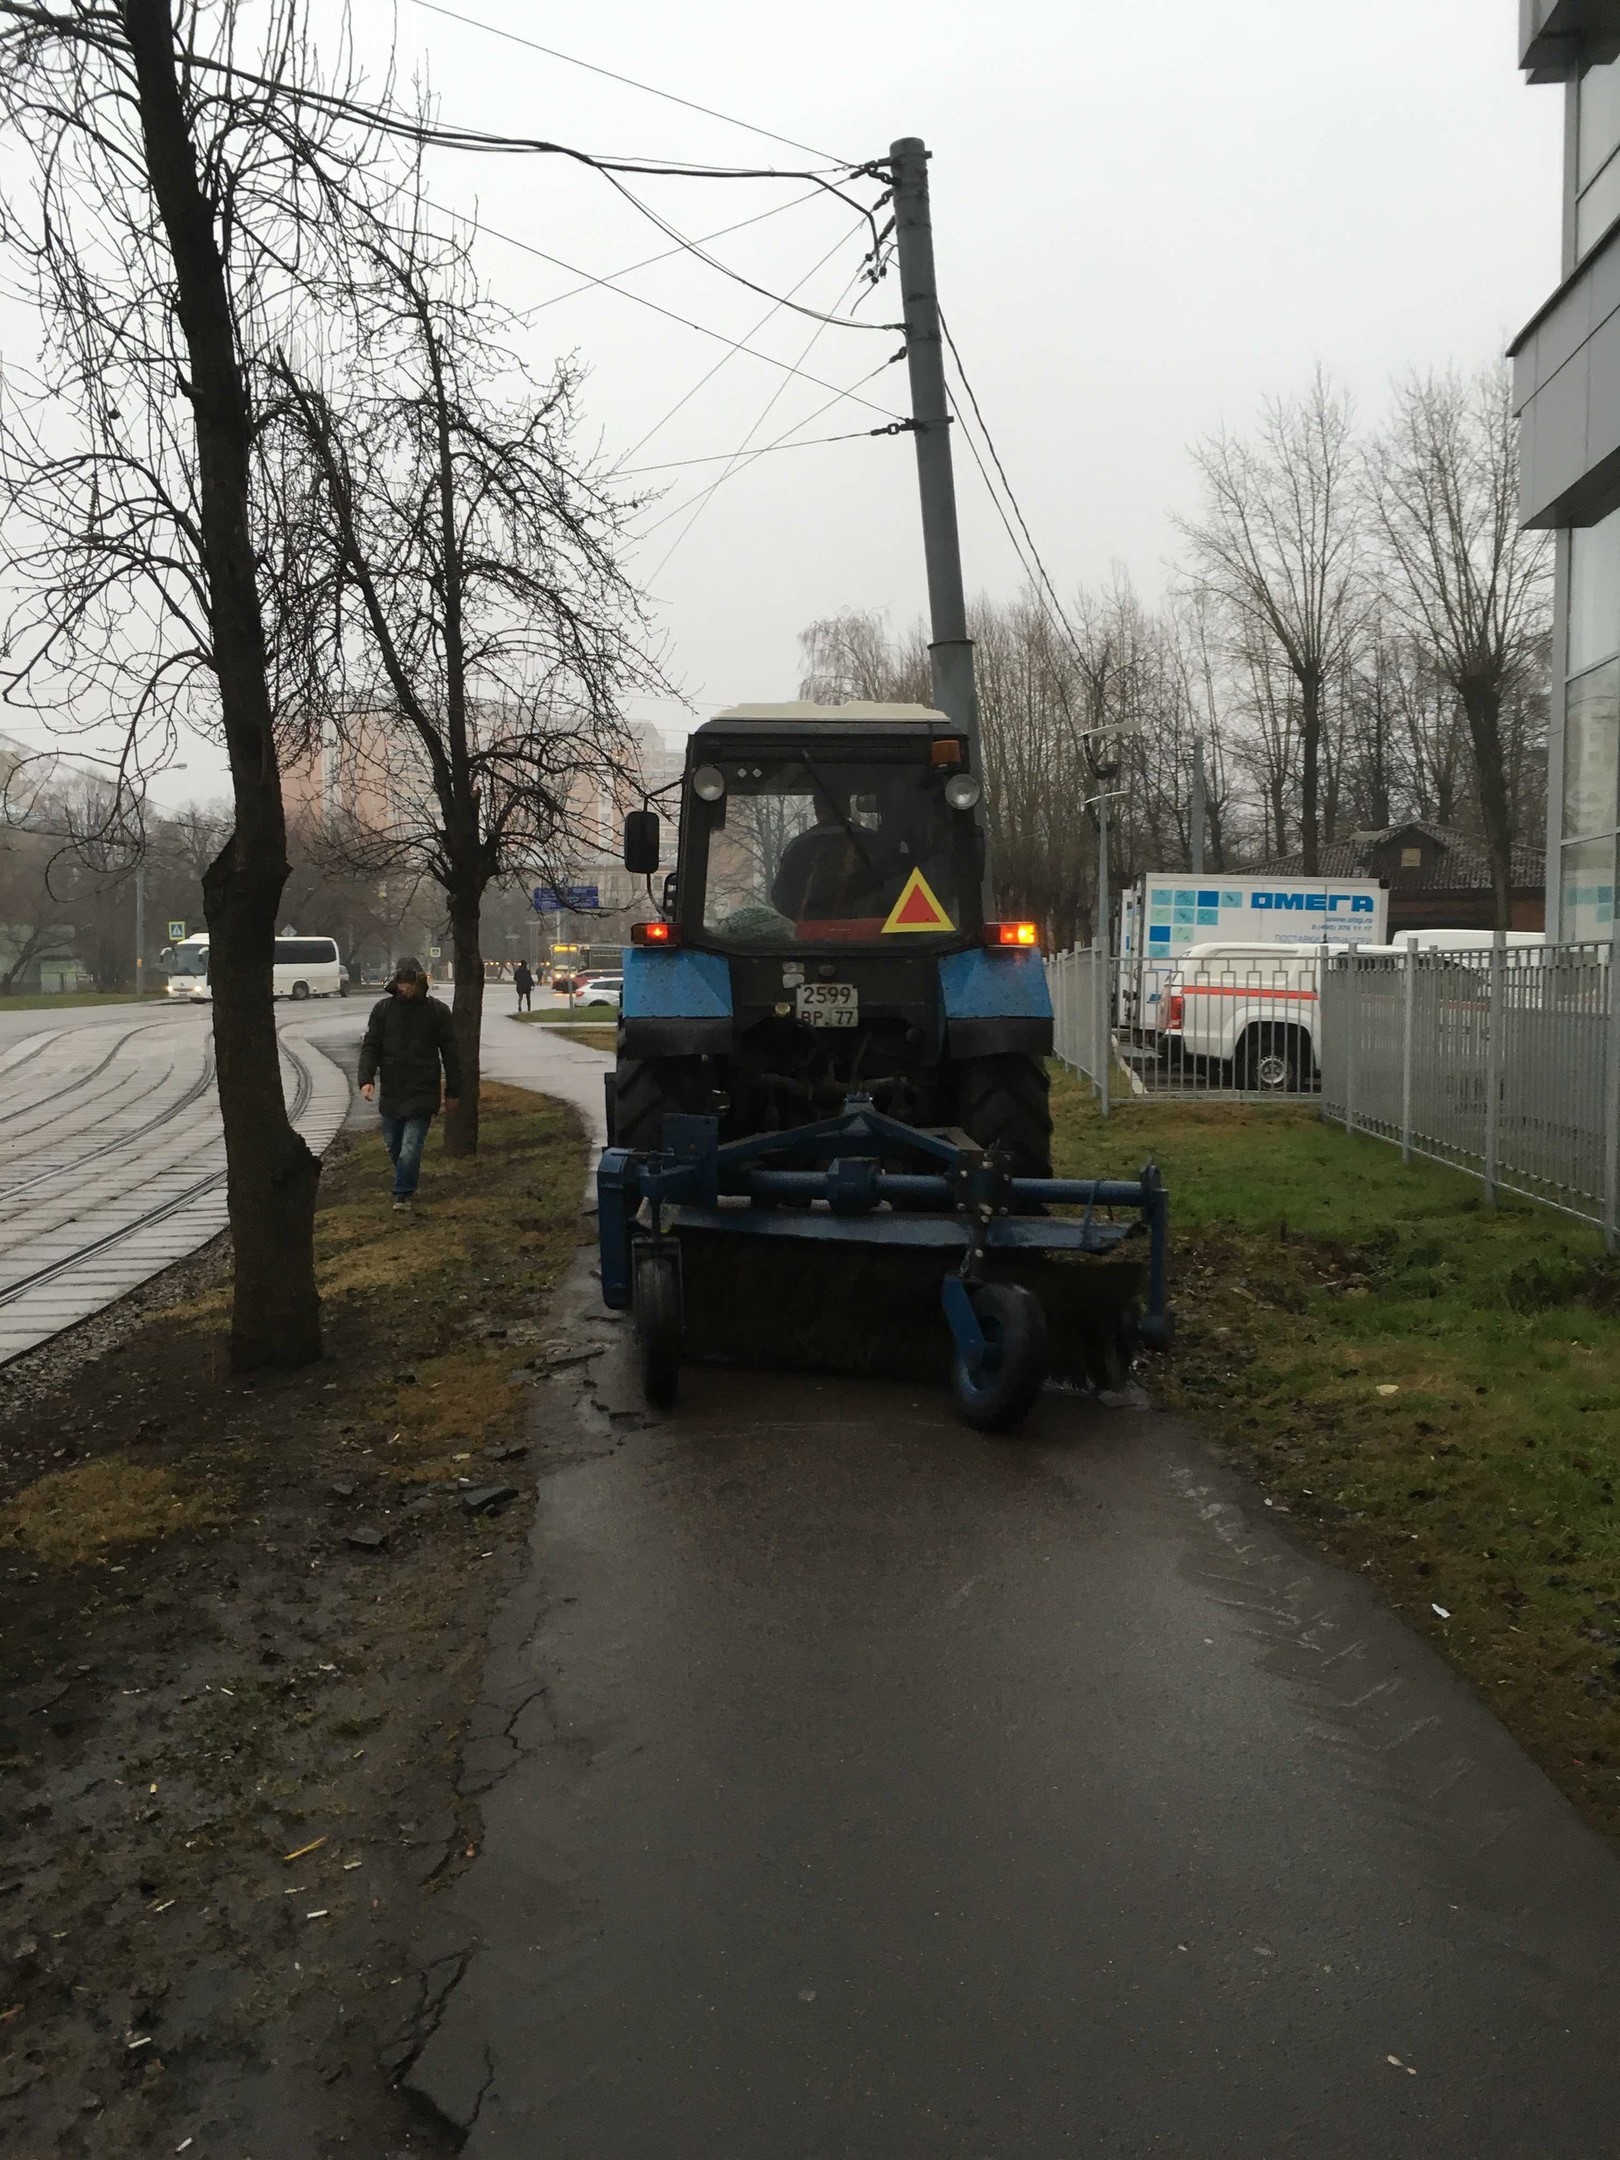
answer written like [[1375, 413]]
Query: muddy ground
[[243, 1623]]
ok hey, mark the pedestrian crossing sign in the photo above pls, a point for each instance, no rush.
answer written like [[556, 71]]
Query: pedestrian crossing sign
[[917, 908], [177, 931]]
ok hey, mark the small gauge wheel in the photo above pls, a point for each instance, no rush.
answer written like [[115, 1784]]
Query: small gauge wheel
[[996, 1388], [656, 1302]]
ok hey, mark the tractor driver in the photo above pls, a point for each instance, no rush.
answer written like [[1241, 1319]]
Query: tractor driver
[[826, 874]]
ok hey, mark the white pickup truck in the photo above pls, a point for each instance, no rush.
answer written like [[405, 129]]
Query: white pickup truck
[[1256, 1008], [1251, 1007]]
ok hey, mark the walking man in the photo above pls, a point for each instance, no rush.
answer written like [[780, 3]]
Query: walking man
[[523, 982], [408, 1037]]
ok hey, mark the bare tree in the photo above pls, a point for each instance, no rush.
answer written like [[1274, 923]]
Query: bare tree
[[1277, 544], [466, 615], [853, 655], [181, 199], [36, 921], [1470, 581], [1200, 662]]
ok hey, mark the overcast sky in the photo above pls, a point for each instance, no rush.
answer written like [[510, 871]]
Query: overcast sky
[[1146, 218]]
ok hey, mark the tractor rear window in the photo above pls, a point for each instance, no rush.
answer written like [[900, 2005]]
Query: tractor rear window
[[806, 852]]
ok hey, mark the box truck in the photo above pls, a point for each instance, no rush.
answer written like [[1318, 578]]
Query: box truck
[[1168, 911]]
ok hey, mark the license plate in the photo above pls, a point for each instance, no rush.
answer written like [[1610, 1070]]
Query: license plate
[[828, 1004]]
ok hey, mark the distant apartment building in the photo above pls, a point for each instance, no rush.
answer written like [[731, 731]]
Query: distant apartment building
[[374, 777], [1567, 391]]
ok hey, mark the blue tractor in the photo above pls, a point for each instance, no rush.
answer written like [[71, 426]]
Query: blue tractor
[[824, 934], [829, 1132]]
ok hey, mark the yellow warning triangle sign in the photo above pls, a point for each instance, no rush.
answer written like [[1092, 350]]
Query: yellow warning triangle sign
[[916, 908]]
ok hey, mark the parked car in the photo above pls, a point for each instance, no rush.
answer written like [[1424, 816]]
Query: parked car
[[1250, 1009], [599, 990]]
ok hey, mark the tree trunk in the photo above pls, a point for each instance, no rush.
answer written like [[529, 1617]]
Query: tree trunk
[[1482, 702], [461, 1124], [1279, 815], [1310, 742], [1217, 834], [270, 1173]]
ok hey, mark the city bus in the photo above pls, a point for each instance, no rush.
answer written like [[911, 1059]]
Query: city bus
[[305, 967]]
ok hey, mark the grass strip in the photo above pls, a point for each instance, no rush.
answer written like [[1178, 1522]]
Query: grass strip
[[579, 1017], [48, 1000], [244, 1619], [1428, 1385]]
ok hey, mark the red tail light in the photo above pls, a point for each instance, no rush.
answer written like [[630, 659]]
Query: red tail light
[[1022, 936], [1172, 1010], [655, 933]]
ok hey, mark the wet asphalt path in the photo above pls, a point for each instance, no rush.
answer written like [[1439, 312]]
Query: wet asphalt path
[[857, 1788]]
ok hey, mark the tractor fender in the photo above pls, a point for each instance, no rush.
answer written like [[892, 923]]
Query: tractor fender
[[675, 1004], [995, 1002]]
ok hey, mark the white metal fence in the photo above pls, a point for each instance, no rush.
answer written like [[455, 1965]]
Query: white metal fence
[[1502, 1063], [1238, 1025]]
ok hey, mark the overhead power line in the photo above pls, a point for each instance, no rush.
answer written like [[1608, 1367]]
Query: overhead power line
[[703, 500], [725, 457], [745, 457], [670, 315], [668, 254], [1043, 577], [695, 248], [441, 135], [726, 358], [669, 96]]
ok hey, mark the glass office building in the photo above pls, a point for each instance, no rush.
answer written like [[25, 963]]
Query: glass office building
[[1567, 390]]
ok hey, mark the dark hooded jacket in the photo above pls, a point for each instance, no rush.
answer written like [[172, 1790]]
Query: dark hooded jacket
[[406, 1038]]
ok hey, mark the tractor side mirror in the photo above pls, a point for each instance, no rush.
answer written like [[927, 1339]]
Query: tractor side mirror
[[641, 842]]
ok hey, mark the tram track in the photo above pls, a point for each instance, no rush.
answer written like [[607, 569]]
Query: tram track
[[199, 1086], [72, 1098], [172, 1204]]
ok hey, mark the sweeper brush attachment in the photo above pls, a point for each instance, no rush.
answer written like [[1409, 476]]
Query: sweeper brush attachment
[[862, 1245]]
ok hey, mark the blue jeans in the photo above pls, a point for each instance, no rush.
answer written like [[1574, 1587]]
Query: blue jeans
[[404, 1137]]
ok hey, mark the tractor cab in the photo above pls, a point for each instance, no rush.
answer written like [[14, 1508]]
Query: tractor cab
[[824, 934], [814, 829]]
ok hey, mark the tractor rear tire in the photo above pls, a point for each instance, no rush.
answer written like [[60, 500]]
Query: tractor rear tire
[[644, 1088], [1003, 1102]]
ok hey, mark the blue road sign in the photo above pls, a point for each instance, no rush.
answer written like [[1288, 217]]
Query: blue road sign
[[565, 899]]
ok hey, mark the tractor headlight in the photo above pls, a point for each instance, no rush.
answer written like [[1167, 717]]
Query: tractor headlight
[[962, 791], [708, 783]]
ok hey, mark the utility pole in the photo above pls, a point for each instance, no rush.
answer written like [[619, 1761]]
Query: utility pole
[[1200, 809], [950, 650]]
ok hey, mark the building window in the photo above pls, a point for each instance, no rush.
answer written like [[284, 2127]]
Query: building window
[[1590, 808], [1411, 858], [1586, 909], [1592, 752], [1594, 593], [1597, 142]]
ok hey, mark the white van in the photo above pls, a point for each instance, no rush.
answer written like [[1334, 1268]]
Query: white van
[[305, 967], [1168, 915]]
